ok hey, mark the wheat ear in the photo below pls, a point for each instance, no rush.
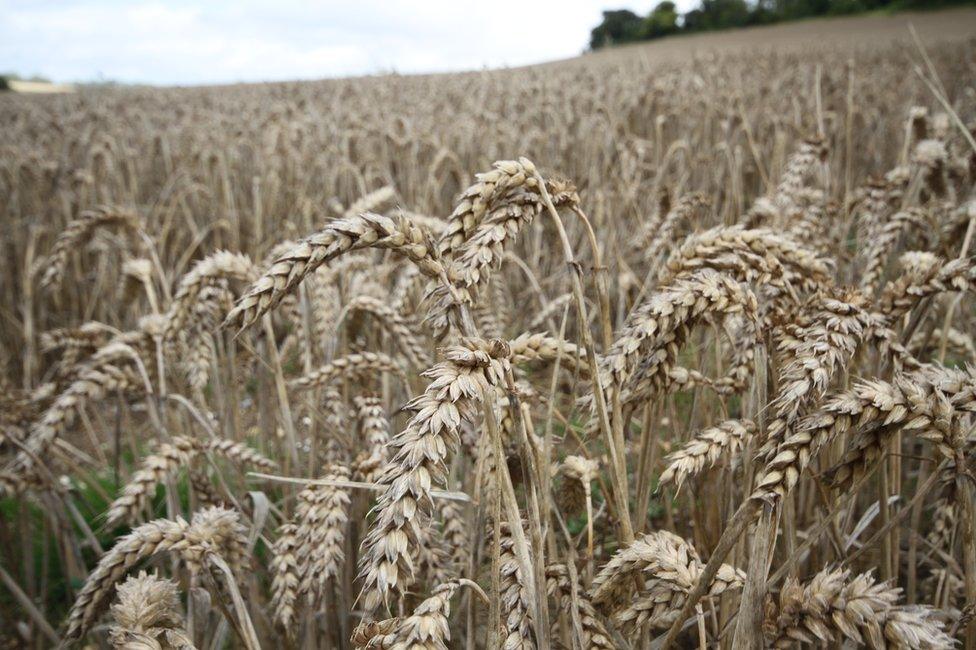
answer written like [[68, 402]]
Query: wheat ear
[[322, 514], [213, 530], [341, 236], [401, 329], [222, 265], [167, 459], [667, 567], [571, 596], [418, 461], [705, 450], [426, 629], [374, 430], [146, 613], [351, 365], [859, 609], [286, 576], [80, 230]]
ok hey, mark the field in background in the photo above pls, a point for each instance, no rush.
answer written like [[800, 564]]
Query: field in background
[[869, 30], [667, 344]]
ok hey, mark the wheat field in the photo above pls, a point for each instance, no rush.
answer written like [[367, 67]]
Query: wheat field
[[668, 346]]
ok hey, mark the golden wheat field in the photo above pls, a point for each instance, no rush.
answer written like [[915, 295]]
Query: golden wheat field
[[664, 347]]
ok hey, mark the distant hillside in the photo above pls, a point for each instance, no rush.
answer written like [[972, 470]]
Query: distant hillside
[[621, 26]]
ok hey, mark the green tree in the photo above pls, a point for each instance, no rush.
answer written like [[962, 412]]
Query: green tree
[[663, 20], [721, 14], [618, 26]]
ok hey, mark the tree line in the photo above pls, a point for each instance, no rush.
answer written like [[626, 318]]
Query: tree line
[[625, 26]]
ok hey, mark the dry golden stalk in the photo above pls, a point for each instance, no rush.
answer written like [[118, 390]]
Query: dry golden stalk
[[419, 454], [147, 616], [213, 530], [286, 576], [80, 231], [859, 609], [343, 235], [352, 365], [560, 587], [710, 445], [321, 515]]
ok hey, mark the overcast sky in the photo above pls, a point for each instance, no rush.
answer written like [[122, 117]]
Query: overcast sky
[[220, 41]]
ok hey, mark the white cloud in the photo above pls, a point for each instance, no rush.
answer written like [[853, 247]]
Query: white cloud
[[183, 42]]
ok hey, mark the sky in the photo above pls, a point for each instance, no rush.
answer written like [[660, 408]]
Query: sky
[[178, 42]]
